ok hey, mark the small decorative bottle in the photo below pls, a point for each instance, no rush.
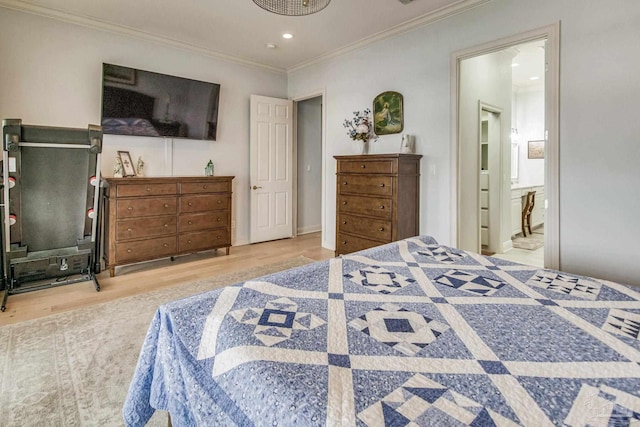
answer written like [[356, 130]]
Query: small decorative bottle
[[208, 170]]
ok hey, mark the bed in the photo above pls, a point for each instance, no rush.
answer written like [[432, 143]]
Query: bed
[[410, 333]]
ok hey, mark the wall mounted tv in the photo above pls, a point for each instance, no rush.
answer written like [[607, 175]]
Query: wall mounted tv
[[143, 103]]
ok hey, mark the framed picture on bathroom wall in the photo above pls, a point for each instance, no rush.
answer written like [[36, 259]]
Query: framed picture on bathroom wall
[[536, 149]]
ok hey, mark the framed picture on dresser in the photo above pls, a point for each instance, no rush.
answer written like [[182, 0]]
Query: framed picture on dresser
[[127, 165]]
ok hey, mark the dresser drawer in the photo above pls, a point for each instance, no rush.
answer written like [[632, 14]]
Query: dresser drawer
[[346, 244], [153, 206], [205, 187], [146, 249], [367, 166], [373, 206], [204, 240], [376, 228], [375, 185], [146, 227], [135, 190], [202, 221], [201, 203]]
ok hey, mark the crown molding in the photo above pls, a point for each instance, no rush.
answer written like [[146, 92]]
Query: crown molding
[[437, 15], [97, 24]]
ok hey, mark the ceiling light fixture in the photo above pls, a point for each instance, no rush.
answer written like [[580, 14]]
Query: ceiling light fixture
[[293, 7], [534, 78], [287, 36]]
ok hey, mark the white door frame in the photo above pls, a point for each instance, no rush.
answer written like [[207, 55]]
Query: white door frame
[[552, 134], [314, 94]]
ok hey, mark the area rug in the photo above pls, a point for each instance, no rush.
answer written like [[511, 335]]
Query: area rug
[[74, 368], [531, 242]]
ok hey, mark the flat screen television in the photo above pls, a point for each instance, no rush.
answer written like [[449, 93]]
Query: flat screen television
[[144, 103]]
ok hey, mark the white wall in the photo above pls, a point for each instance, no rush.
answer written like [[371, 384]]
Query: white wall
[[51, 74], [529, 120], [599, 103], [309, 165]]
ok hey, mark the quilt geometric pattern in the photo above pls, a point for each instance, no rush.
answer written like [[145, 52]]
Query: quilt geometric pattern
[[604, 406], [565, 284], [442, 254], [379, 279], [421, 401], [275, 322], [470, 282], [623, 323], [517, 345], [405, 331]]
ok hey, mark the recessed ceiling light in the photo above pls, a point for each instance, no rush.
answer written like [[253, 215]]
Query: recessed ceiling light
[[287, 36], [534, 78], [515, 64], [271, 45]]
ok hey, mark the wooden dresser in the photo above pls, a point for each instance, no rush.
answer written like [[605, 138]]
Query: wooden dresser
[[149, 218], [378, 200]]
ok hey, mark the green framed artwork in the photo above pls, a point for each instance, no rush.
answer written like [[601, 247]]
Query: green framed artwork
[[388, 116]]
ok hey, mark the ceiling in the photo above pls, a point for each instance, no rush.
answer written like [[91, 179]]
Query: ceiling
[[527, 66], [239, 30]]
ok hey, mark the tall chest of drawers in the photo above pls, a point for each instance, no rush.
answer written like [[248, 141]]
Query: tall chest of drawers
[[150, 218], [378, 200]]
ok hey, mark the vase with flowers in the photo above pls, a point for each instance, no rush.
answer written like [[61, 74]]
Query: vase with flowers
[[359, 130]]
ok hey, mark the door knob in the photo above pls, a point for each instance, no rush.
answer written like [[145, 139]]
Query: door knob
[[255, 187]]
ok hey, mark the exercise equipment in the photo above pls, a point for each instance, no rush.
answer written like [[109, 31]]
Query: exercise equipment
[[50, 206]]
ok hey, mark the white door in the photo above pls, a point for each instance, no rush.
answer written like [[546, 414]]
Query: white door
[[271, 169]]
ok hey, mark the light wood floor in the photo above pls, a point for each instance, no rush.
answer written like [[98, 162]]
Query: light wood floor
[[145, 277]]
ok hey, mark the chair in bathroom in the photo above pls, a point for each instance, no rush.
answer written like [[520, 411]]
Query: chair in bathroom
[[526, 212]]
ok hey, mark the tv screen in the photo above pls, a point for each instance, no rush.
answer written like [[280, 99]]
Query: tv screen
[[144, 103]]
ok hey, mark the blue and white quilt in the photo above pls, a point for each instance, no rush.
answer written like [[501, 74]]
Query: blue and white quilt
[[410, 333]]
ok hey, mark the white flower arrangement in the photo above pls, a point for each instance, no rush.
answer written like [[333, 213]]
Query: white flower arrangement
[[359, 128]]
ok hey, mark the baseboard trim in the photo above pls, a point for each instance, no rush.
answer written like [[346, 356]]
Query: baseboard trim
[[309, 229], [507, 246]]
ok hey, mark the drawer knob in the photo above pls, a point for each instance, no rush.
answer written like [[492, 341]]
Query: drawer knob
[[381, 206], [129, 251], [219, 201], [189, 241], [363, 166], [166, 205], [382, 185], [344, 242], [189, 203], [344, 203], [130, 208], [344, 183], [204, 186], [166, 225], [218, 219], [148, 188], [344, 222], [129, 230], [218, 237], [190, 222], [165, 245], [381, 228]]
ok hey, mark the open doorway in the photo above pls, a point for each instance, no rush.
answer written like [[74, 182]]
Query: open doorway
[[490, 139], [309, 165], [528, 146], [527, 219]]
